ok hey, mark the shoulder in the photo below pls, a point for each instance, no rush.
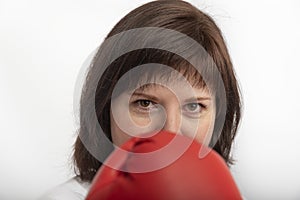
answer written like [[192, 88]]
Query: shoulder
[[73, 189]]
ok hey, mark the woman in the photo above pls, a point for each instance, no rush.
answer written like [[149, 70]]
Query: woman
[[176, 87]]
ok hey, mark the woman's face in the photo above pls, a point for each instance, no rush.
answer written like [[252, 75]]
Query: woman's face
[[172, 107]]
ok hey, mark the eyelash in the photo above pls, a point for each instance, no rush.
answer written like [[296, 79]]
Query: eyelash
[[198, 104], [144, 109]]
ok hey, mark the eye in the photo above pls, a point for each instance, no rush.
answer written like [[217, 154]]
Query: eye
[[144, 105], [193, 108]]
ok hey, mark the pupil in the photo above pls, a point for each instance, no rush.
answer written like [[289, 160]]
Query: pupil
[[145, 103], [193, 106]]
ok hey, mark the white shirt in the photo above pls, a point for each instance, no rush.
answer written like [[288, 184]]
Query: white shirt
[[73, 189]]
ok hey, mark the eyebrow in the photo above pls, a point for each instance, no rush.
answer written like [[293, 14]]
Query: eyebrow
[[198, 98], [151, 97]]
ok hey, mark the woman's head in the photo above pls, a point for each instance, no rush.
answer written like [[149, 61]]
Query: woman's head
[[166, 101], [175, 98]]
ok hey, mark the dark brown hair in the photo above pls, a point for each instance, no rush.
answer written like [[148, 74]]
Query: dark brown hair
[[170, 14]]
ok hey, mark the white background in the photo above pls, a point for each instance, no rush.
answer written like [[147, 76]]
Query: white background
[[44, 43]]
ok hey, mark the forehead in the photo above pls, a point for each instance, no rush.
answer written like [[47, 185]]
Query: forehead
[[180, 76], [168, 92], [181, 88], [154, 74]]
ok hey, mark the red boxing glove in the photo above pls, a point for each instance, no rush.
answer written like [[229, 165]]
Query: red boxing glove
[[188, 177]]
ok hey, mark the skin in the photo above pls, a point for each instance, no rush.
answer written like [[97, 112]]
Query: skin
[[170, 106]]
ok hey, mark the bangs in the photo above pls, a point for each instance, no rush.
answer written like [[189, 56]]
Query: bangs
[[191, 74], [161, 67]]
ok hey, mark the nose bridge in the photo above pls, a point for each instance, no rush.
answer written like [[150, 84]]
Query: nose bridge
[[173, 120]]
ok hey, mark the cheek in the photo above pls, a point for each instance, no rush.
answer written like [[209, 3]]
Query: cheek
[[140, 119], [206, 129], [199, 129], [204, 133], [118, 136]]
